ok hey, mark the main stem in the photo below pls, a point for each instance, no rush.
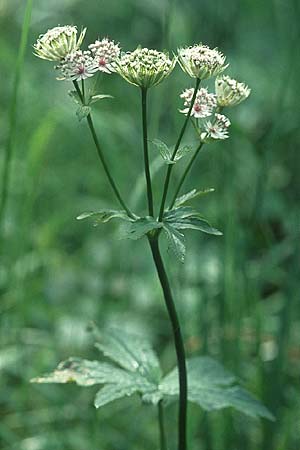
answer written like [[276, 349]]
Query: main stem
[[183, 177], [179, 346], [170, 167], [146, 153], [101, 156], [162, 434]]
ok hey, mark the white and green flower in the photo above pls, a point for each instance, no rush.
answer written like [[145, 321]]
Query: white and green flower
[[230, 92], [200, 61], [77, 66], [58, 42], [105, 53], [217, 129], [144, 67], [204, 103]]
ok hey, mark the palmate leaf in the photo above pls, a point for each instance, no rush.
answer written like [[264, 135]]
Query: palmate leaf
[[191, 195], [103, 216], [185, 217], [131, 352], [209, 384], [166, 152], [82, 112], [139, 228], [176, 241]]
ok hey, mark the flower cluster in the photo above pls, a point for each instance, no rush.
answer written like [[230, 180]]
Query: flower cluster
[[230, 92], [219, 128], [105, 53], [144, 67], [77, 66], [201, 62], [58, 42], [204, 103]]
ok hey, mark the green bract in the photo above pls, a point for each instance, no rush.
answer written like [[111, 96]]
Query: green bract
[[58, 42], [144, 67]]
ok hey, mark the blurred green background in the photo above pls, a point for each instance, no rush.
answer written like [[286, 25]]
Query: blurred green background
[[238, 295]]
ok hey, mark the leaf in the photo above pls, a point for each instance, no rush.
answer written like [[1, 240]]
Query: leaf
[[111, 392], [183, 151], [185, 217], [210, 386], [138, 228], [176, 241], [103, 216], [130, 352], [84, 373], [191, 195], [195, 223], [164, 151], [96, 98], [82, 112], [75, 96]]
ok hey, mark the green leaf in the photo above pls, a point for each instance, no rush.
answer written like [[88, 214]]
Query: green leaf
[[131, 352], [84, 373], [164, 151], [138, 228], [75, 96], [176, 241], [183, 151], [82, 112], [191, 195], [103, 216], [111, 392], [96, 98], [185, 217], [210, 386]]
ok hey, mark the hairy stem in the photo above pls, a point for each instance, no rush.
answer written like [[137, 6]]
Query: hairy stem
[[13, 110], [101, 156], [179, 346], [146, 153], [170, 166], [162, 434], [184, 175]]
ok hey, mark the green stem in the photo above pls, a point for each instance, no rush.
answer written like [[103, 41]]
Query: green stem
[[162, 434], [13, 110], [146, 153], [183, 177], [102, 158], [179, 346], [170, 167]]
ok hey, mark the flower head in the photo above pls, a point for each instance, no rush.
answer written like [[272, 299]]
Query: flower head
[[144, 67], [58, 42], [203, 105], [230, 92], [78, 65], [200, 61], [219, 128], [105, 53]]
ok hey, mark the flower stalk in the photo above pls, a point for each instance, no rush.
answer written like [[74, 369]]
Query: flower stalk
[[146, 152]]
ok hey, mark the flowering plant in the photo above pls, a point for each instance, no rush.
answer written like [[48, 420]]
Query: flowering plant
[[134, 366]]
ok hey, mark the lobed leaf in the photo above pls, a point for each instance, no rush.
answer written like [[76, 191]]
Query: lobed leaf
[[95, 98], [176, 241], [183, 151], [191, 195], [103, 216], [138, 228], [164, 151], [82, 112]]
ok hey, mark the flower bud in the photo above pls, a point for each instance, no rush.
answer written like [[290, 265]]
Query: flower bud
[[230, 92], [58, 42]]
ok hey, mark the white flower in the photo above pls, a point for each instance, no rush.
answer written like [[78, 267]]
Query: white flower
[[77, 66], [230, 92], [204, 103], [105, 53], [144, 67], [58, 42], [219, 128], [200, 61]]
